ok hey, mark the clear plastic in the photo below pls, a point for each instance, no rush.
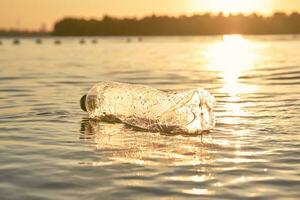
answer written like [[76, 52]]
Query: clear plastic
[[188, 111]]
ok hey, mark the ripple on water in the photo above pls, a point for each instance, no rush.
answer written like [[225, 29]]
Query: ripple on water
[[49, 149]]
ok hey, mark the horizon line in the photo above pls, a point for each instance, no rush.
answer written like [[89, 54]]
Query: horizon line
[[136, 17]]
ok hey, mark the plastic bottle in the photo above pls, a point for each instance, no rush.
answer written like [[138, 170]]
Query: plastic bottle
[[186, 111]]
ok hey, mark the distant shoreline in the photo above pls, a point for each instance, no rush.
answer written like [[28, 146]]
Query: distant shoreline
[[196, 25]]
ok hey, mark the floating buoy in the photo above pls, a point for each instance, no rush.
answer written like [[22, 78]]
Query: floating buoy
[[57, 42], [82, 41], [16, 41], [38, 41]]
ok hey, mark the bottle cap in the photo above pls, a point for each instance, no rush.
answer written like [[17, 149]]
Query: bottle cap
[[82, 103]]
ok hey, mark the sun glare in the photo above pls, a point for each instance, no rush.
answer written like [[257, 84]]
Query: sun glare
[[231, 56], [232, 6]]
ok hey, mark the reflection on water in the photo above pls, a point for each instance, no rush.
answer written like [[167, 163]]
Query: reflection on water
[[122, 144], [253, 153], [145, 148], [230, 57]]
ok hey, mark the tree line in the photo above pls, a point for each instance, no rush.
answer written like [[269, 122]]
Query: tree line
[[200, 24]]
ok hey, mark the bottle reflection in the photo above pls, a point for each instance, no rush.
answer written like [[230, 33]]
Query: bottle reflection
[[191, 155], [125, 144]]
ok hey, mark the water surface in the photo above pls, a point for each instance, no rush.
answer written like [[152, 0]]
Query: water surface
[[51, 150]]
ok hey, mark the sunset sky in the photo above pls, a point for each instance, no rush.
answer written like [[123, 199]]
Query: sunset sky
[[31, 14]]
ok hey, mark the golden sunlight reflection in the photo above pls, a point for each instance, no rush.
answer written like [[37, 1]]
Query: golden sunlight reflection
[[122, 144], [231, 56], [198, 191], [195, 178]]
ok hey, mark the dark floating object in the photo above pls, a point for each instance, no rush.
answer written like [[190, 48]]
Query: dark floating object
[[16, 41], [38, 41], [94, 41], [82, 41], [57, 42], [0, 42], [140, 39], [128, 40]]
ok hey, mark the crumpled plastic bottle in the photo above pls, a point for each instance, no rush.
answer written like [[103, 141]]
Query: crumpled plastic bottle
[[185, 111]]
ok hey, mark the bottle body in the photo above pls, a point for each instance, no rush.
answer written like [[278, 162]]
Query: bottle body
[[189, 111]]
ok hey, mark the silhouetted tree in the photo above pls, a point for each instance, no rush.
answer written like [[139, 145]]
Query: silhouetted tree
[[199, 24]]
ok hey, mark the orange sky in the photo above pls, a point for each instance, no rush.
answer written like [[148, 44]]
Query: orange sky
[[32, 13]]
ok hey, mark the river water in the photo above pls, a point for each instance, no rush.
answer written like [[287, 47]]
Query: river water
[[50, 149]]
